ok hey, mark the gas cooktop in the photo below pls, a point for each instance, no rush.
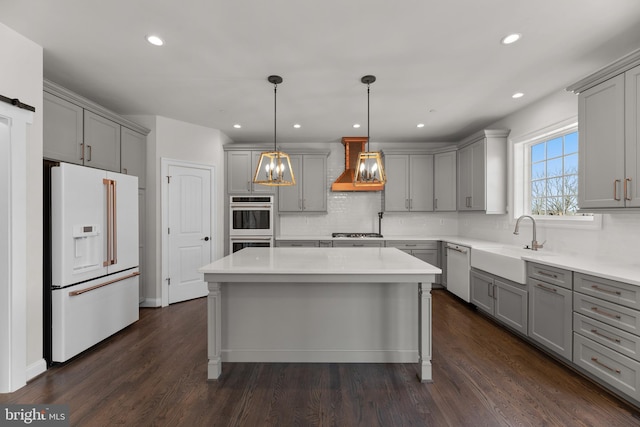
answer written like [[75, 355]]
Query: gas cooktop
[[356, 235]]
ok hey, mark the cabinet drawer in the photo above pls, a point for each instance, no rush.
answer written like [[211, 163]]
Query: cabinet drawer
[[297, 243], [616, 315], [357, 244], [403, 244], [609, 290], [554, 275], [613, 368], [614, 338]]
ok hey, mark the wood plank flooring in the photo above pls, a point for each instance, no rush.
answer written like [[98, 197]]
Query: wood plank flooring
[[154, 373]]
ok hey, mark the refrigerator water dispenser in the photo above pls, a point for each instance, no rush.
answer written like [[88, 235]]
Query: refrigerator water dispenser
[[87, 250]]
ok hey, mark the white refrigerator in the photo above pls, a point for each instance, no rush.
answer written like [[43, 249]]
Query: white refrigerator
[[94, 257]]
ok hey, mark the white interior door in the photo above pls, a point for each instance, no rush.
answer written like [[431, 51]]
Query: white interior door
[[189, 230]]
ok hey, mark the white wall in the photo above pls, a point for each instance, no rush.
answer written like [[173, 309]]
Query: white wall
[[619, 234], [358, 211], [177, 140], [21, 77]]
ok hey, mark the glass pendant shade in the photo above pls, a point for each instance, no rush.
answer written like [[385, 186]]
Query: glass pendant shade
[[274, 169], [369, 169]]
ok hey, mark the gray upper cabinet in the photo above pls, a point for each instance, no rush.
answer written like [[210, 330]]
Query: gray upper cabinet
[[609, 133], [77, 130], [241, 165], [133, 155], [482, 172], [444, 181], [310, 192], [101, 142], [62, 130], [409, 186]]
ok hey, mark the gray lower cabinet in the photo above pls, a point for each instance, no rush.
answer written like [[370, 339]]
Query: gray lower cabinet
[[426, 250], [550, 307], [606, 332], [297, 243], [501, 298]]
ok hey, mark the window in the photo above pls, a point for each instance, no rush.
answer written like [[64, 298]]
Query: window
[[553, 180]]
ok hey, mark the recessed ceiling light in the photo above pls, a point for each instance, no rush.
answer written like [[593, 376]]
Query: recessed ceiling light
[[237, 126], [297, 126], [356, 126], [511, 38], [155, 40], [420, 125], [517, 95]]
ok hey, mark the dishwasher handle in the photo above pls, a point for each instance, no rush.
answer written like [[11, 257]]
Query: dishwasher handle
[[453, 248]]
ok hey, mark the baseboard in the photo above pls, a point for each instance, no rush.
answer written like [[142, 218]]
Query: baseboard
[[321, 356], [35, 369], [151, 303]]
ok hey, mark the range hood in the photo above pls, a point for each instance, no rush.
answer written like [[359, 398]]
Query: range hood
[[353, 146]]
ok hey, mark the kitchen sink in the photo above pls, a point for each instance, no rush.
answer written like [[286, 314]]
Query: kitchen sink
[[503, 261]]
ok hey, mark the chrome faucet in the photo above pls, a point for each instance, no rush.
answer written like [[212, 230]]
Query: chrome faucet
[[534, 243]]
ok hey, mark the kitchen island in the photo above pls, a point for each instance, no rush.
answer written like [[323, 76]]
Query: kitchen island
[[319, 305]]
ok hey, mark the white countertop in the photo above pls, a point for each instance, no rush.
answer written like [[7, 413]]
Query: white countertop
[[321, 262], [609, 269]]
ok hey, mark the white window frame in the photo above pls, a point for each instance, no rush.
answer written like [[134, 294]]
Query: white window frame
[[522, 181]]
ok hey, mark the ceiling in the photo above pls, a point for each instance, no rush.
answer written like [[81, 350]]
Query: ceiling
[[437, 62]]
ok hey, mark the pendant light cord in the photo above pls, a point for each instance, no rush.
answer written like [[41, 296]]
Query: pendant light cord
[[275, 112], [368, 121]]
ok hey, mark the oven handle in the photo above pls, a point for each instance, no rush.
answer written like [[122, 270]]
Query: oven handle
[[250, 238], [245, 206]]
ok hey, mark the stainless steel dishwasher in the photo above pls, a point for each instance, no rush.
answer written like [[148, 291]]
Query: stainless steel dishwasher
[[458, 267]]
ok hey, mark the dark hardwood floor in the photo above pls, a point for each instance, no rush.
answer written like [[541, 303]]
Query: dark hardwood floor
[[154, 373]]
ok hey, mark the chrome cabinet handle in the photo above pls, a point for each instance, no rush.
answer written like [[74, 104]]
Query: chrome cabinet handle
[[90, 152], [81, 151], [615, 190], [595, 359]]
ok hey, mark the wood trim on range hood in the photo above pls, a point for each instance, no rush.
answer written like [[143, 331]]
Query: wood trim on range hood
[[353, 146]]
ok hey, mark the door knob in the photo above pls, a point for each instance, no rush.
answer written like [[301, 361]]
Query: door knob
[[206, 239]]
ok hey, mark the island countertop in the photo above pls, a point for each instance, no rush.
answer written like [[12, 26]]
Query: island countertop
[[334, 305], [349, 263]]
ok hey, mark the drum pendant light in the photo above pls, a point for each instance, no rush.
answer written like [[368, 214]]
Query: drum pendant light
[[274, 167], [369, 169]]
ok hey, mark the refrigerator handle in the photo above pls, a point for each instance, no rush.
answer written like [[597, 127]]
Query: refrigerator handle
[[114, 217], [109, 183]]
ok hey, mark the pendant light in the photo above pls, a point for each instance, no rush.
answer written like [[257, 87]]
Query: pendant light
[[369, 169], [274, 167]]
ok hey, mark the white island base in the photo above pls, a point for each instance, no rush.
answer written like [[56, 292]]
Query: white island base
[[368, 305]]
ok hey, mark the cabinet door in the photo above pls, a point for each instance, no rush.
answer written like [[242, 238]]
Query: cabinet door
[[601, 150], [632, 137], [511, 305], [478, 179], [239, 173], [465, 164], [445, 178], [62, 130], [102, 142], [259, 188], [314, 183], [396, 189], [290, 197], [427, 255], [421, 182], [482, 292], [550, 312], [134, 155]]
